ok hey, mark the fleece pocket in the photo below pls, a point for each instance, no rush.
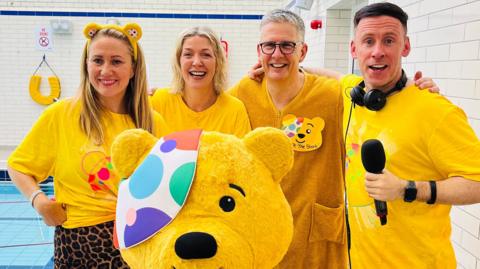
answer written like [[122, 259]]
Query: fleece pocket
[[327, 224]]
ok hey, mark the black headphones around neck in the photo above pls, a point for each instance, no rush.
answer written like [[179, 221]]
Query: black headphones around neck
[[375, 99]]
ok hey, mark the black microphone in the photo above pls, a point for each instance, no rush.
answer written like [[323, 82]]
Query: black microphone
[[373, 159]]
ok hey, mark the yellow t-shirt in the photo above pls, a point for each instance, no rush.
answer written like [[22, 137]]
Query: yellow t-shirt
[[425, 138], [84, 179], [226, 115]]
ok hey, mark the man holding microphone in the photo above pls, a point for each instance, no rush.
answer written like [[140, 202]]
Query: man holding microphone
[[432, 154]]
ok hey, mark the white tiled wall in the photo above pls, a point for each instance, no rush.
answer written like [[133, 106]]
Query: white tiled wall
[[19, 57], [450, 41], [337, 39], [445, 38], [329, 47], [199, 6]]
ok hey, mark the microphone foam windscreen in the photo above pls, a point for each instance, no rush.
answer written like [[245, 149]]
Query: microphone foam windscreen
[[373, 156]]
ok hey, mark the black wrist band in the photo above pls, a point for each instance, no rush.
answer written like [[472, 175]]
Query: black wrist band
[[433, 192]]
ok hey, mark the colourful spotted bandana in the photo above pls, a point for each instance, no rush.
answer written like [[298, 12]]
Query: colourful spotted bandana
[[156, 191]]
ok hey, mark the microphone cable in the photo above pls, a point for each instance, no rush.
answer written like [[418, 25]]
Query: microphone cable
[[347, 220]]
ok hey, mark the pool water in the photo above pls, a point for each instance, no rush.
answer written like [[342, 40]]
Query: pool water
[[25, 241]]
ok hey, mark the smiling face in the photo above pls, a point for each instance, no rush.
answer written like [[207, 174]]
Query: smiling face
[[280, 66], [379, 45], [110, 68], [197, 62]]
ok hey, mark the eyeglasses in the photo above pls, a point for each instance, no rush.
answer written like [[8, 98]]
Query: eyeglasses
[[286, 47]]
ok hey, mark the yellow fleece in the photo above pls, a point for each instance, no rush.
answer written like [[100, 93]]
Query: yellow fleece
[[314, 187]]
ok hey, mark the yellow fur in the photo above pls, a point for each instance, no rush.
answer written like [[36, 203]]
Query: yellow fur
[[256, 234], [128, 150], [34, 89], [132, 31]]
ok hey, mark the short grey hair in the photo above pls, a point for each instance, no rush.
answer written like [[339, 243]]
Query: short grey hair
[[283, 15]]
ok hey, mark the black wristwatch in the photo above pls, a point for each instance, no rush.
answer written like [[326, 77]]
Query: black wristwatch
[[410, 192]]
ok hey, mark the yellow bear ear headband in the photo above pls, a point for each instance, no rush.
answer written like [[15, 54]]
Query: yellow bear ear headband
[[131, 30]]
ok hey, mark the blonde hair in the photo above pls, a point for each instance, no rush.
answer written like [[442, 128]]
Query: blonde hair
[[136, 98], [220, 76]]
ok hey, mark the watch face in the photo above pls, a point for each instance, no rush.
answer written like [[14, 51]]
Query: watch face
[[410, 192]]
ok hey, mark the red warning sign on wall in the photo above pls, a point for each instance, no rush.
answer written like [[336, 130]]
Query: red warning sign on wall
[[43, 38]]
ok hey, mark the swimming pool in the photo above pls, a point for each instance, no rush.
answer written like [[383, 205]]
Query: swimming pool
[[25, 241]]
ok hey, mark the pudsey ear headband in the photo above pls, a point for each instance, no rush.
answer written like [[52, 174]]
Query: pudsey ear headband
[[131, 30]]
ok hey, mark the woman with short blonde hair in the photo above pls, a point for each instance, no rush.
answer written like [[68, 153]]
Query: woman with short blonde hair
[[196, 98], [220, 77]]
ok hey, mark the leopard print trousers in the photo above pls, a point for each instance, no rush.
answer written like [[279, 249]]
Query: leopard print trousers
[[86, 248]]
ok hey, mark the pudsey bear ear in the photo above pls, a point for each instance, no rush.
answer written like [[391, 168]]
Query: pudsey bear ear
[[273, 148], [319, 123], [128, 148]]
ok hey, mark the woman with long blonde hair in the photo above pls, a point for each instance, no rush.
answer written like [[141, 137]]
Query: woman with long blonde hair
[[71, 142]]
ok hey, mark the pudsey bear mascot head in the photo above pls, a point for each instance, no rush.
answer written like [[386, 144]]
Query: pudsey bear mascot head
[[203, 200]]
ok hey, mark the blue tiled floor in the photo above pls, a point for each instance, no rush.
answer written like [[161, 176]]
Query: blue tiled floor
[[25, 241]]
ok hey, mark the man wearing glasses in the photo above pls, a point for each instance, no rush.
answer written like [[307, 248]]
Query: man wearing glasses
[[309, 109]]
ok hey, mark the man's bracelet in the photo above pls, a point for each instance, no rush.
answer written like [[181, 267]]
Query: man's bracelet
[[34, 195], [433, 192]]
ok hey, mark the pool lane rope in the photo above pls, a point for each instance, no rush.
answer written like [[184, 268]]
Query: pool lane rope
[[53, 81]]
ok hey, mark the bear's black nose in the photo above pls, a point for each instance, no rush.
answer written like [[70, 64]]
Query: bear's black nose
[[301, 135], [195, 245]]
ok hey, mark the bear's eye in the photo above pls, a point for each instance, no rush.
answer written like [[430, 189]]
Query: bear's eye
[[227, 203], [308, 131]]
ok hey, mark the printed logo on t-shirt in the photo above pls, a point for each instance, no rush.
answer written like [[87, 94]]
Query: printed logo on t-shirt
[[99, 170], [360, 203], [305, 133]]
